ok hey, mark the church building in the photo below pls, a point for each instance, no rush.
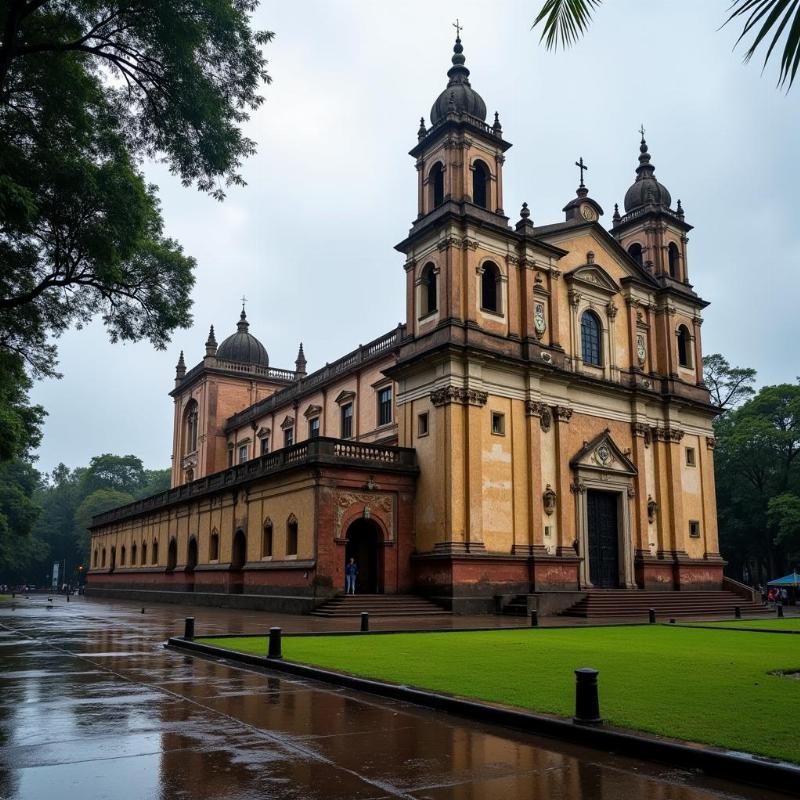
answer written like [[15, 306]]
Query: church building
[[539, 424]]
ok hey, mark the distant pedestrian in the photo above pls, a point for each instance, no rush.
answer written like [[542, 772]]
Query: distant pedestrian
[[784, 596], [350, 572]]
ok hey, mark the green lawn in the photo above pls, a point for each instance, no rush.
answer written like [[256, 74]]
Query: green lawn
[[785, 624], [699, 685]]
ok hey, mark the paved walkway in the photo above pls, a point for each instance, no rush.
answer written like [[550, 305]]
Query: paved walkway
[[92, 707]]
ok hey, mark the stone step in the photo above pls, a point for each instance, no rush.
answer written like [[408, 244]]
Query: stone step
[[379, 605]]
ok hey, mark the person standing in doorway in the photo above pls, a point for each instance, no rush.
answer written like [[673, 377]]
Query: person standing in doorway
[[350, 572]]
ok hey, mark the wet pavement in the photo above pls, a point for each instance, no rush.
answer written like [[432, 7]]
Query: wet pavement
[[92, 706]]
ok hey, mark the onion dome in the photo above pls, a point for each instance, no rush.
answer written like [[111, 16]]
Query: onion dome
[[242, 347], [459, 97], [646, 190]]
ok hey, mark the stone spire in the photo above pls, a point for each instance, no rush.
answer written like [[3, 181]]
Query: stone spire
[[211, 343], [180, 368], [300, 363]]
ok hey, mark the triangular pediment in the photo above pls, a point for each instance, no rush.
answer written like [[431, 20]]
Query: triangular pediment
[[288, 422], [595, 276], [345, 397], [603, 455]]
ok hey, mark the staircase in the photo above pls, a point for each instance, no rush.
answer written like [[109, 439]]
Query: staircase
[[379, 605], [635, 604]]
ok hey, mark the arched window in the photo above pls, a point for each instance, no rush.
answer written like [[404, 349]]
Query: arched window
[[490, 287], [154, 557], [213, 553], [122, 556], [103, 558], [635, 252], [94, 563], [673, 256], [144, 554], [133, 554], [684, 347], [429, 299], [480, 184], [113, 564], [590, 338], [266, 540], [190, 427], [172, 555], [291, 535], [436, 181]]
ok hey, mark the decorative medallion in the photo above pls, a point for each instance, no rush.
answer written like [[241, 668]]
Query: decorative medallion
[[641, 349], [603, 455], [546, 420], [539, 322]]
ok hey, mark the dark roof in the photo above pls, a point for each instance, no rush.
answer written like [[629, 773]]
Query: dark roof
[[242, 347], [646, 190], [459, 96]]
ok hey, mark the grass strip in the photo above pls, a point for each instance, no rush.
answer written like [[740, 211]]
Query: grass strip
[[698, 685]]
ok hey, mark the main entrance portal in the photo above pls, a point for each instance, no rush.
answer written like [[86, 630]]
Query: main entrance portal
[[363, 541], [603, 530]]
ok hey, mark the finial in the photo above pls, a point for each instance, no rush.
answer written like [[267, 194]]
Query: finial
[[459, 27], [211, 343], [583, 167], [497, 127], [422, 131], [243, 324], [180, 368], [680, 210], [616, 219], [300, 363], [525, 211], [641, 130]]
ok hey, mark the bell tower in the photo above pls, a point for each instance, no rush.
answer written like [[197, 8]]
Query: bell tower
[[650, 231], [459, 162]]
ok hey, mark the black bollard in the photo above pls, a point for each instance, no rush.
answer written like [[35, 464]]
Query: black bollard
[[68, 597], [534, 618], [364, 621], [780, 610], [652, 613], [737, 612], [142, 611], [274, 650], [188, 628], [587, 703]]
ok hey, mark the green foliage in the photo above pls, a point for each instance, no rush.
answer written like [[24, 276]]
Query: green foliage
[[783, 513], [727, 697], [565, 21], [97, 502], [729, 386], [20, 422], [49, 515], [771, 17], [18, 513], [758, 482], [87, 89]]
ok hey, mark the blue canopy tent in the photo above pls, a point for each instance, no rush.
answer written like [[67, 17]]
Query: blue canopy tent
[[792, 579]]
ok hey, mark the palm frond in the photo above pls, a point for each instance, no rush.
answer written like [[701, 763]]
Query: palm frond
[[763, 17], [565, 21]]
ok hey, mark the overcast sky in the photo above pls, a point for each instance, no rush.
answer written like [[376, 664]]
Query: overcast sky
[[310, 239]]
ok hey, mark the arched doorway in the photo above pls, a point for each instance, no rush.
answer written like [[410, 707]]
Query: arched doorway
[[172, 555], [238, 559], [191, 563], [363, 543]]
